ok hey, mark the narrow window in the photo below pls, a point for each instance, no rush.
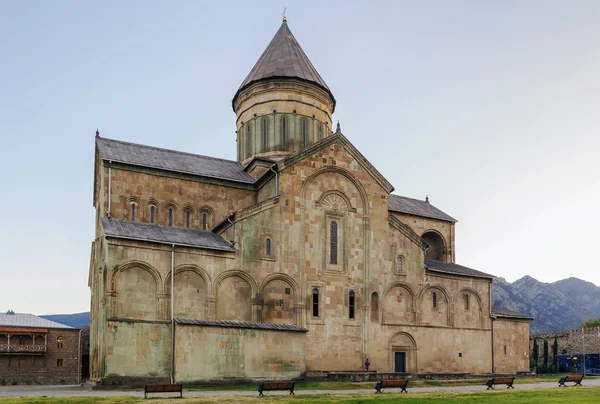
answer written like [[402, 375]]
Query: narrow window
[[333, 243], [304, 133], [320, 132], [133, 212], [315, 302], [60, 342], [375, 307], [399, 263], [248, 140], [188, 216], [351, 304], [434, 299], [204, 220], [268, 247], [466, 302], [170, 216], [152, 209], [283, 132], [504, 349], [264, 133], [59, 363]]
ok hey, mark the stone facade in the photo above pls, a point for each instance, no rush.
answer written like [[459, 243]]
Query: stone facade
[[314, 244], [569, 342], [57, 364]]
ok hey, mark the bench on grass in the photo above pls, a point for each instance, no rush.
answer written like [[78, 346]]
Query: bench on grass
[[500, 380], [571, 378], [388, 383], [271, 386], [163, 388]]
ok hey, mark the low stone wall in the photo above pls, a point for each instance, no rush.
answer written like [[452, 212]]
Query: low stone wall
[[569, 342], [375, 376]]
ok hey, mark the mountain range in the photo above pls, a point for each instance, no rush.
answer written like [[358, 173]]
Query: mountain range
[[556, 306]]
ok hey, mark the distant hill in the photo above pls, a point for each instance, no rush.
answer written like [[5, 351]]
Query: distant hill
[[556, 306], [76, 320]]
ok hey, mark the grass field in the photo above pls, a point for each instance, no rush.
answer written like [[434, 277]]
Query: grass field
[[547, 396]]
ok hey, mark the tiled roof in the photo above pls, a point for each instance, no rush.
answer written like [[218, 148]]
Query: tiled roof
[[171, 160], [284, 57], [126, 229], [446, 267], [24, 320], [417, 207], [241, 324], [499, 311]]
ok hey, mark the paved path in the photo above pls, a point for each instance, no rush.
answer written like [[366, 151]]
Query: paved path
[[77, 391]]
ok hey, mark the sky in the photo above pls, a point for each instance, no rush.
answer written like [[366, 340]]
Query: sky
[[489, 107]]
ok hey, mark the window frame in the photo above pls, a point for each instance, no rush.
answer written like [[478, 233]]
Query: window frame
[[188, 218], [60, 363], [352, 305], [152, 214], [315, 302], [467, 302], [334, 242], [434, 300], [60, 342]]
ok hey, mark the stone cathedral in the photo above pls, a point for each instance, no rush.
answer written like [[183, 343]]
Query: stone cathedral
[[295, 260]]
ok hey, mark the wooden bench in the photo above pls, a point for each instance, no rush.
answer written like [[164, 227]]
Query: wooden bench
[[271, 386], [163, 388], [570, 378], [388, 383], [501, 380]]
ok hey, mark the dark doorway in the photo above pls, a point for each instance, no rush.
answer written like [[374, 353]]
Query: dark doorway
[[400, 362]]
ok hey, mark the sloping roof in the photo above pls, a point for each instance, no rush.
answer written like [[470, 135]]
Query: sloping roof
[[171, 160], [25, 320], [284, 57], [402, 204], [126, 229], [241, 324], [455, 269], [501, 312]]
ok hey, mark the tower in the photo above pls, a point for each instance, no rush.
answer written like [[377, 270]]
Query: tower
[[283, 105]]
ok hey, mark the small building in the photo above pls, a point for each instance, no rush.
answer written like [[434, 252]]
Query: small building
[[34, 350]]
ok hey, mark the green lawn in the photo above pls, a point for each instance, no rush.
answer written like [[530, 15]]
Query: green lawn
[[547, 396]]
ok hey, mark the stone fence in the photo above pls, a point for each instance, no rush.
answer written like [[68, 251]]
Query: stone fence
[[569, 342]]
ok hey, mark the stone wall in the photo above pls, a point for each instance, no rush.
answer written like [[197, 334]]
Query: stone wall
[[45, 369], [213, 353], [511, 345], [569, 342]]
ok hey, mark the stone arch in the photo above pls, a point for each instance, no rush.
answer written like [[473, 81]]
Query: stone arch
[[279, 293], [437, 245], [337, 170], [234, 301], [334, 193], [136, 287], [473, 318], [439, 315], [399, 304], [192, 288], [403, 343]]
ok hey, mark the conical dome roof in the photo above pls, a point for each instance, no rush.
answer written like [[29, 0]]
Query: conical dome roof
[[284, 58]]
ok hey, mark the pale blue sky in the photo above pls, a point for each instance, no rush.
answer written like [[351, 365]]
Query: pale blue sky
[[490, 107]]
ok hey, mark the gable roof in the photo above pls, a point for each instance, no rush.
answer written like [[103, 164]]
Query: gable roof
[[128, 230], [337, 137], [284, 58], [171, 160], [25, 320], [502, 312], [455, 269], [402, 204]]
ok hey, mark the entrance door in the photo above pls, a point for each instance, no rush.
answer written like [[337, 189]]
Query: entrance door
[[400, 362]]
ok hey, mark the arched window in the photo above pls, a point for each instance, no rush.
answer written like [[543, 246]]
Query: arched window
[[152, 213], [351, 304], [466, 302], [333, 243], [188, 218], [434, 299], [170, 216], [400, 263], [315, 302], [504, 349], [264, 133], [268, 247], [133, 212], [248, 140], [304, 133], [374, 307], [60, 342], [204, 220], [283, 132]]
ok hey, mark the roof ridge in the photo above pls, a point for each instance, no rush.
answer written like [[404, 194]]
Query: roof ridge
[[169, 150], [408, 197]]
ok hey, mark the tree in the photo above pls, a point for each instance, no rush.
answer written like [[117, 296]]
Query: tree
[[591, 323], [554, 353], [535, 353], [545, 353]]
